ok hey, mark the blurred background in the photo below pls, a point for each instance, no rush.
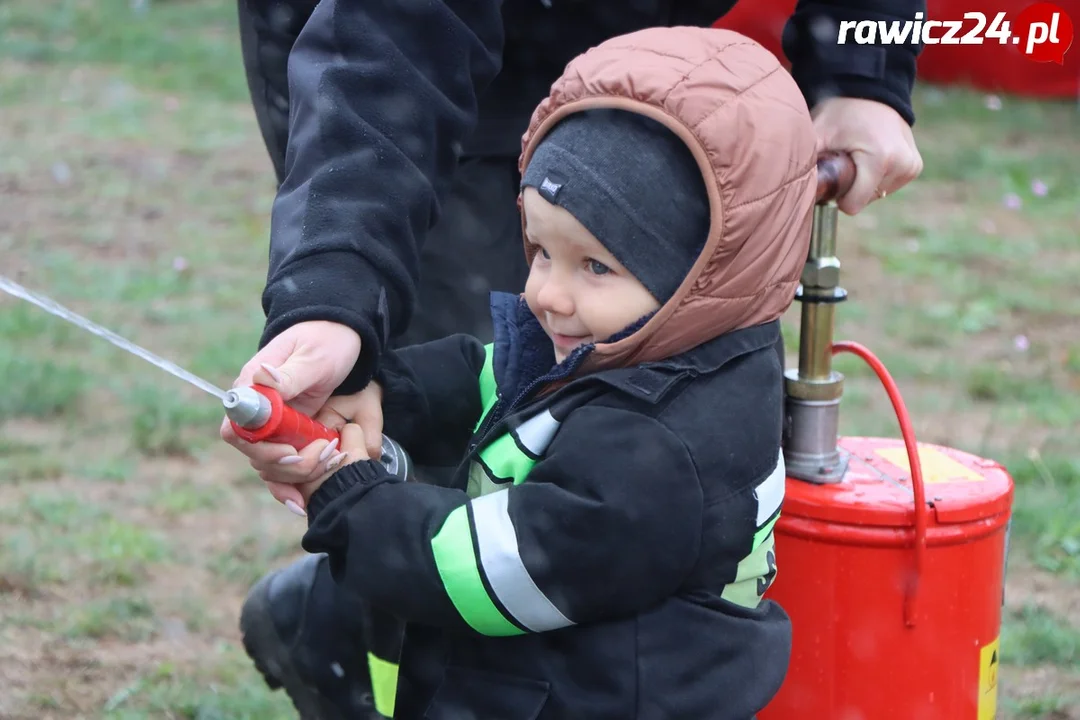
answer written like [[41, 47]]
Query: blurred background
[[134, 187]]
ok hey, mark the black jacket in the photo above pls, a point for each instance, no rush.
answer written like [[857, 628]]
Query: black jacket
[[602, 550], [386, 95]]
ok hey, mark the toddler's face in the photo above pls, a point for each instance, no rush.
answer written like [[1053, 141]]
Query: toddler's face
[[576, 288]]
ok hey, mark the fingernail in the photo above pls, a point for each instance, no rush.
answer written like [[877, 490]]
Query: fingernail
[[335, 460], [328, 450], [274, 373], [294, 508], [290, 460]]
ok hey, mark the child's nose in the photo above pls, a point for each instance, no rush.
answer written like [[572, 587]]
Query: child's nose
[[554, 295]]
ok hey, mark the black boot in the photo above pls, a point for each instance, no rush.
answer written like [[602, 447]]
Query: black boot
[[298, 641]]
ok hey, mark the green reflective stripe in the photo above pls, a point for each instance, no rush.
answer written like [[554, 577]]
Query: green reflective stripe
[[455, 559], [506, 460], [763, 533], [488, 387], [384, 676], [753, 576]]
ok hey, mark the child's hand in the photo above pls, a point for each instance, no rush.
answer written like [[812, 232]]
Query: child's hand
[[353, 449]]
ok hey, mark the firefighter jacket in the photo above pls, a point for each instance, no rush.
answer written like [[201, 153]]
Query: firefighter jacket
[[603, 549]]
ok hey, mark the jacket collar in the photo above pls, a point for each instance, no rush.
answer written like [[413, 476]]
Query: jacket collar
[[523, 354], [524, 359], [714, 354]]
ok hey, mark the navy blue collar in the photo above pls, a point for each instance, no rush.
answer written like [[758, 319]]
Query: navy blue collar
[[524, 358]]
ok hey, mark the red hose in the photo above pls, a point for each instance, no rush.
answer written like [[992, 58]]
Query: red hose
[[908, 434]]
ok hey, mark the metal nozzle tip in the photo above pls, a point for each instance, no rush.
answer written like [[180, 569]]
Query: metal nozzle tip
[[246, 407]]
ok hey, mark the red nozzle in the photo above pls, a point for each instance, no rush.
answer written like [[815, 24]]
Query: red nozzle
[[273, 420]]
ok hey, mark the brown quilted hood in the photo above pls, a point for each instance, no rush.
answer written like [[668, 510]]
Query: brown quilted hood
[[749, 128]]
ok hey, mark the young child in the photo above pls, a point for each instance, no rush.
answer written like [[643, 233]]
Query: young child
[[603, 549]]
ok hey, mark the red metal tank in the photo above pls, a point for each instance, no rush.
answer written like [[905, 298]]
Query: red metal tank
[[865, 647]]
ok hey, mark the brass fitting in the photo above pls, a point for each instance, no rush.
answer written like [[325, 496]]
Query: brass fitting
[[814, 389]]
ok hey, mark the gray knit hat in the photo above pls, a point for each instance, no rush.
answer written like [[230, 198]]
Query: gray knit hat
[[634, 184]]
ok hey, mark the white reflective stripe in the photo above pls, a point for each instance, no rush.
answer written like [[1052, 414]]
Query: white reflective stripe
[[770, 493], [505, 572], [535, 433]]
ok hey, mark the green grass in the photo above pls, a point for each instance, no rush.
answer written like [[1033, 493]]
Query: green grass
[[185, 47], [224, 689], [1045, 514], [1036, 636], [250, 557], [143, 197], [128, 618]]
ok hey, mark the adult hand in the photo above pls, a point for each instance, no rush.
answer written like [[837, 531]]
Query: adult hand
[[879, 141], [305, 363], [308, 361]]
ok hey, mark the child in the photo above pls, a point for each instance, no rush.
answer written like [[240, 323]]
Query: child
[[603, 549]]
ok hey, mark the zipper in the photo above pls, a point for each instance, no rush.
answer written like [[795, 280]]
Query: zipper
[[492, 416], [478, 436]]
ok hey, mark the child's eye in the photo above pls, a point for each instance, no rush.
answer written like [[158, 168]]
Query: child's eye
[[545, 254], [598, 267]]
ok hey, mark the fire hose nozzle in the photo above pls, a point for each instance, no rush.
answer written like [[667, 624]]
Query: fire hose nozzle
[[258, 414], [247, 407]]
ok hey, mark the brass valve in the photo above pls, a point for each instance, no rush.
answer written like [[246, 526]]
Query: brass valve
[[813, 390]]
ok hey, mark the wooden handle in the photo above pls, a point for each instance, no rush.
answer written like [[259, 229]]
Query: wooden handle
[[836, 173]]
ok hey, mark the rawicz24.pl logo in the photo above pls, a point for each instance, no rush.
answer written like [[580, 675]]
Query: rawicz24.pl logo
[[1044, 32]]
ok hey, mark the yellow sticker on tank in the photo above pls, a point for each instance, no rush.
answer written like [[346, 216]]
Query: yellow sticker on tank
[[988, 680], [937, 467]]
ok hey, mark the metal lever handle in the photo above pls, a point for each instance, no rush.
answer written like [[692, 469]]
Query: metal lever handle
[[836, 174]]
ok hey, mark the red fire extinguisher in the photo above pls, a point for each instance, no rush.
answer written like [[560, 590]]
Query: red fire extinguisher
[[890, 553]]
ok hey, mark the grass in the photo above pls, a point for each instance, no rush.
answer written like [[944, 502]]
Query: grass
[[136, 191]]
